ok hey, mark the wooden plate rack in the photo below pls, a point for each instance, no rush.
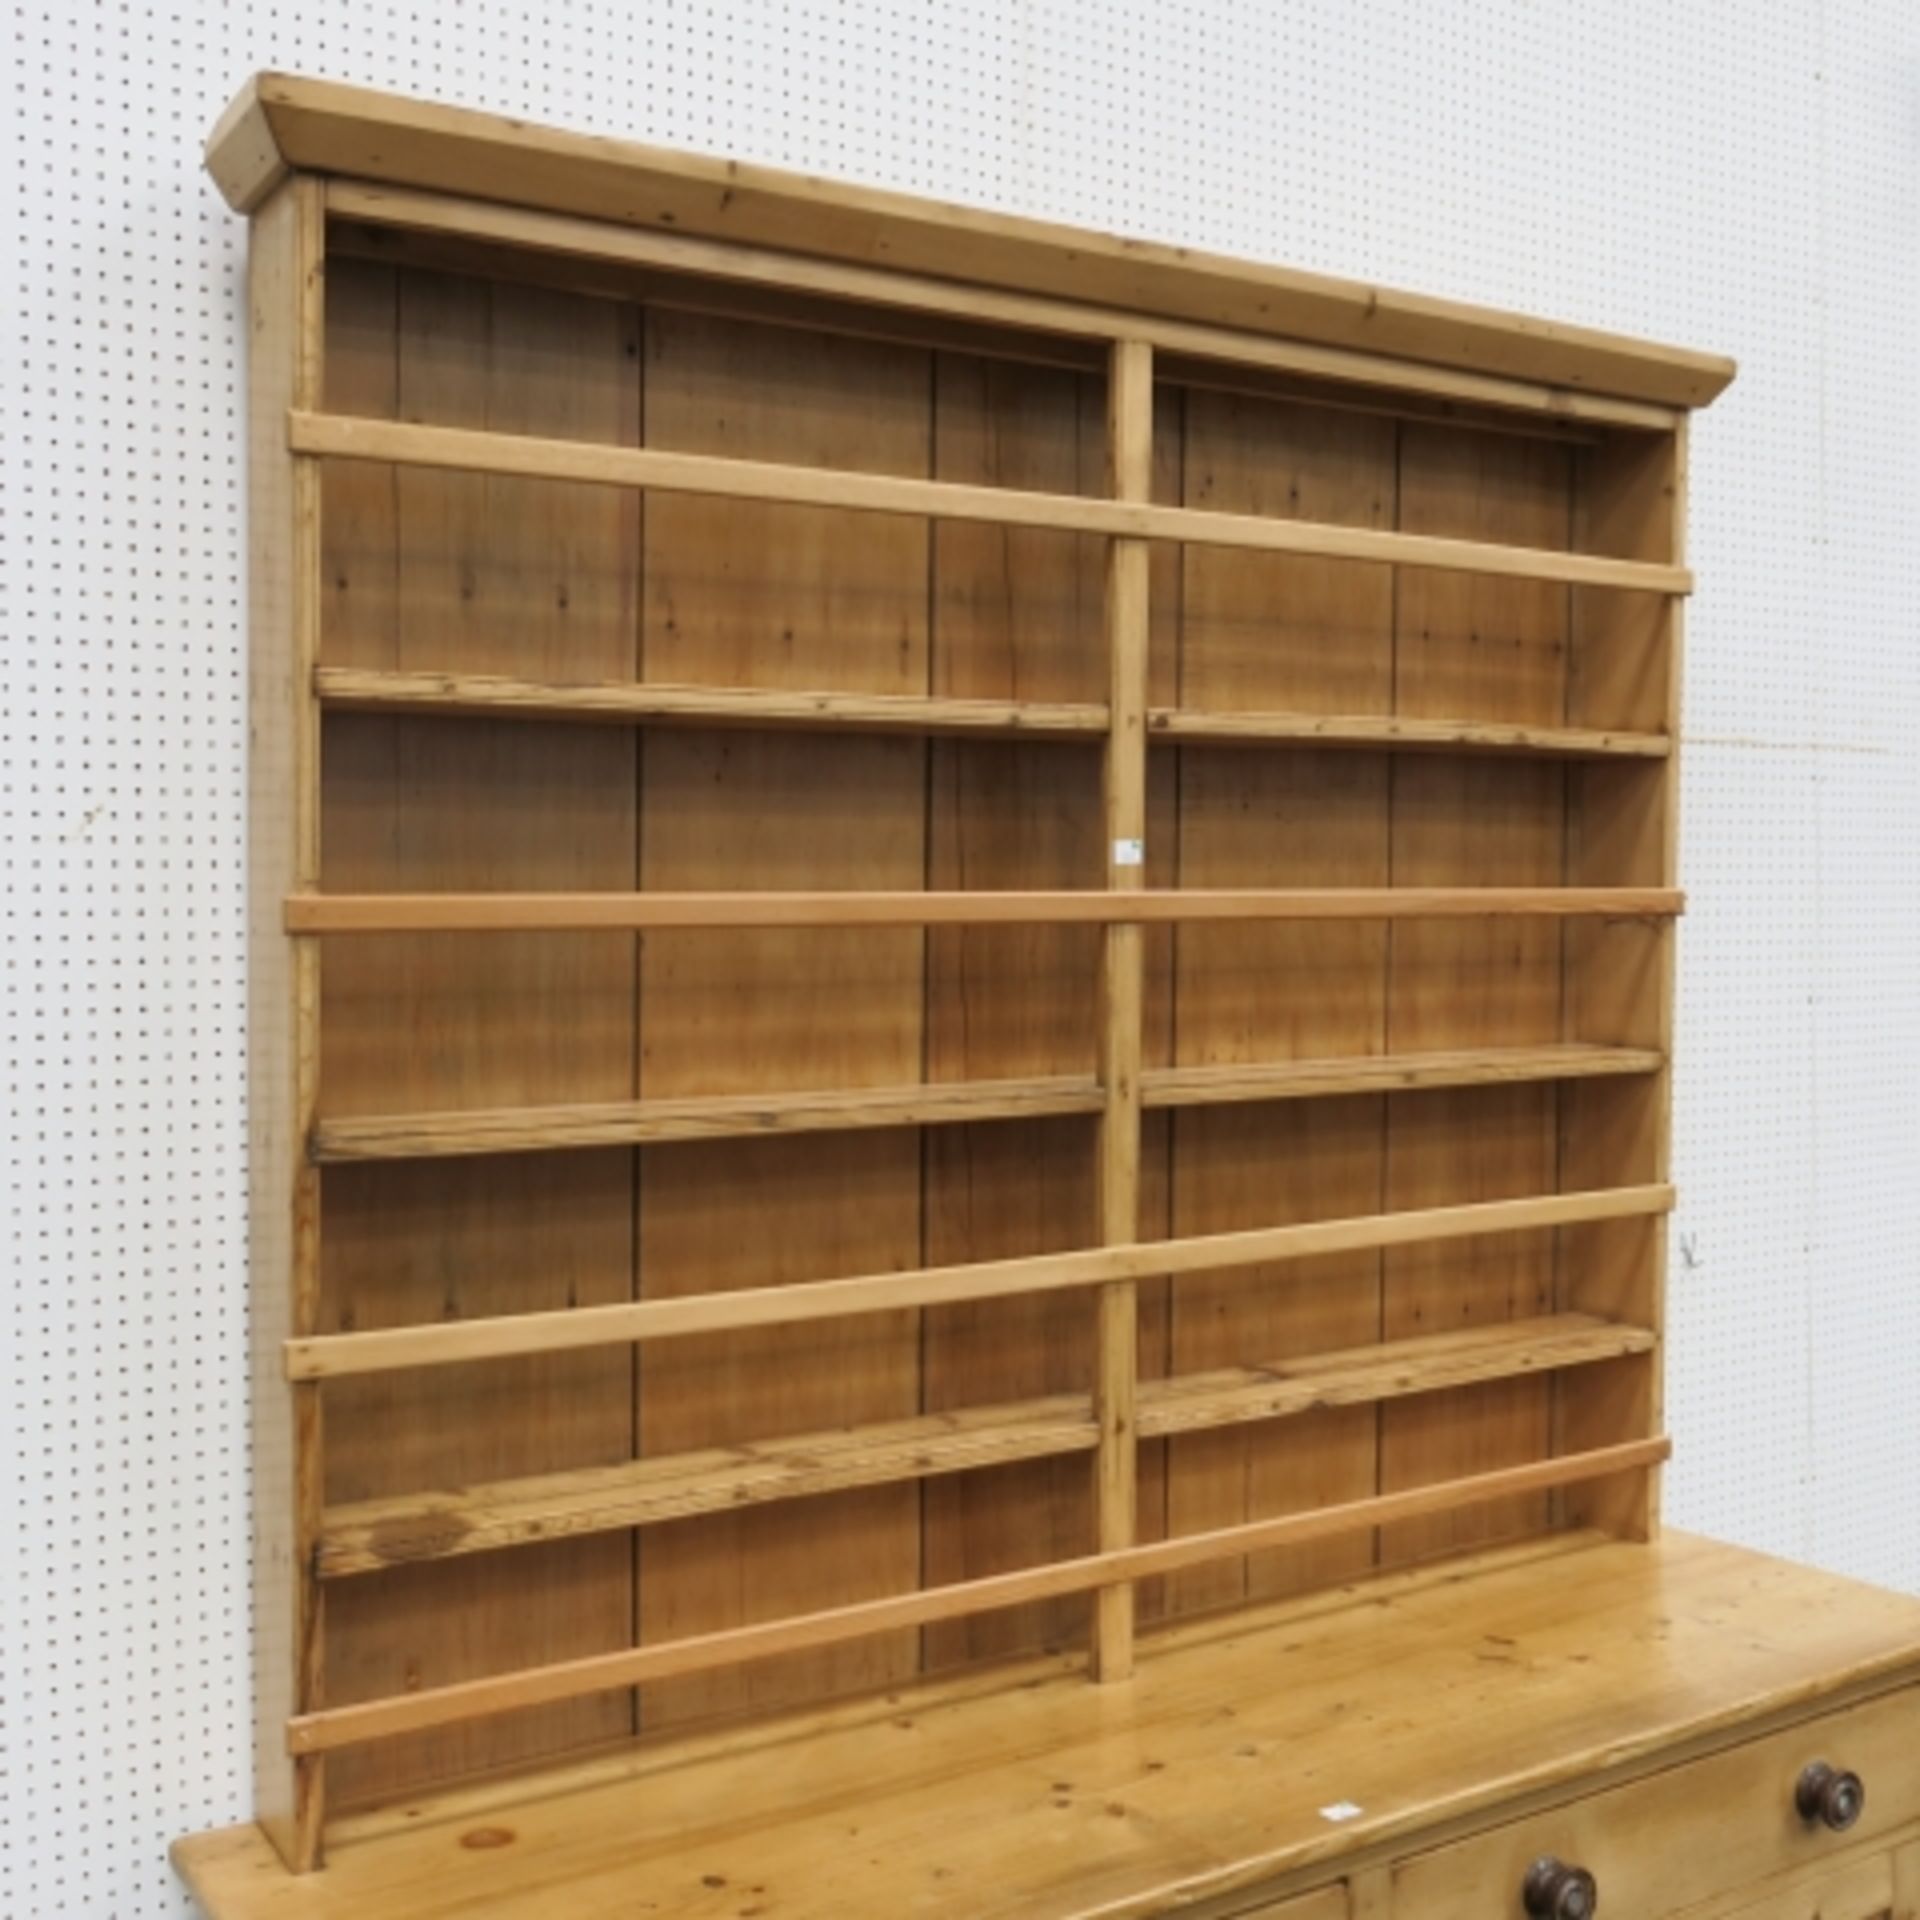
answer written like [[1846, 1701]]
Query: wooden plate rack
[[963, 933]]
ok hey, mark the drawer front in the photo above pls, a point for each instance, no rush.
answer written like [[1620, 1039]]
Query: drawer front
[[1330, 1903], [1690, 1834], [1862, 1891]]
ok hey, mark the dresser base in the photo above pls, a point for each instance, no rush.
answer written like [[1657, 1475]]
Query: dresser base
[[1401, 1747]]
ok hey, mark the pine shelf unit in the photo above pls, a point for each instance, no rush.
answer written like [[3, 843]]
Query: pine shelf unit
[[963, 939]]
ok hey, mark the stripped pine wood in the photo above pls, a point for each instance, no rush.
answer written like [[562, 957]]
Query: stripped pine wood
[[1017, 613], [1519, 1679], [1116, 1367], [373, 691], [678, 1486], [1626, 661], [733, 477], [1161, 872], [617, 702], [1499, 648], [948, 1103], [1261, 632], [703, 1117], [760, 595], [454, 1343], [1220, 1083], [1198, 727], [369, 1535], [384, 1719], [836, 1159], [493, 575], [282, 120], [846, 907], [535, 235], [286, 291]]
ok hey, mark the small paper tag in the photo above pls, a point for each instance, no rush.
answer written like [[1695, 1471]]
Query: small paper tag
[[1341, 1810], [1129, 853]]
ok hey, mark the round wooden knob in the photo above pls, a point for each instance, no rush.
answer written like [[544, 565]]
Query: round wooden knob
[[1827, 1795], [1555, 1891]]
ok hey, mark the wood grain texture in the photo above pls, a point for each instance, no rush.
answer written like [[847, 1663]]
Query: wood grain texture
[[700, 1117], [780, 1222], [1740, 1643], [1498, 648], [286, 294], [1626, 660], [618, 702], [368, 1535], [504, 575], [1123, 781], [950, 1103], [872, 490], [1017, 613], [1188, 726], [802, 1302], [1650, 1850], [1058, 325], [759, 595], [733, 1648], [1859, 1889], [847, 906], [331, 128], [1260, 632]]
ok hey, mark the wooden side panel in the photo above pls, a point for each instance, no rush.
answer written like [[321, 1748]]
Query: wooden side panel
[[1263, 632], [285, 305], [740, 594], [1017, 613], [1493, 649], [428, 570]]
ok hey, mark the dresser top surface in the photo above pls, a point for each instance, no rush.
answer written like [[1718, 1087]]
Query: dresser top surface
[[1246, 1750]]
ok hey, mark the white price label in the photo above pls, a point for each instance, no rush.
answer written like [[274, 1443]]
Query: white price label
[[1129, 853]]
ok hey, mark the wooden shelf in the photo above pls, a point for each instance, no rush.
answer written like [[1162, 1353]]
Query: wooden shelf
[[1390, 1370], [428, 1136], [367, 690], [1188, 727], [341, 436], [461, 1342], [432, 1136], [1389, 1073], [371, 1534], [340, 913], [328, 1729], [614, 702]]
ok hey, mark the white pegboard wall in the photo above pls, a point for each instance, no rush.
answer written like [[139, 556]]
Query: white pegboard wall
[[1726, 175]]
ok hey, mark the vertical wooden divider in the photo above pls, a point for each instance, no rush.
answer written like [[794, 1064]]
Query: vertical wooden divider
[[287, 305], [1124, 787]]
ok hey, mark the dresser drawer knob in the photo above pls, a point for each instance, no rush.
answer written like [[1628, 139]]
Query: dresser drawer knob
[[1555, 1891], [1827, 1795]]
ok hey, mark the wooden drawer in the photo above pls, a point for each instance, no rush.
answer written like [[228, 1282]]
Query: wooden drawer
[[1330, 1903], [1863, 1890], [1679, 1838]]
